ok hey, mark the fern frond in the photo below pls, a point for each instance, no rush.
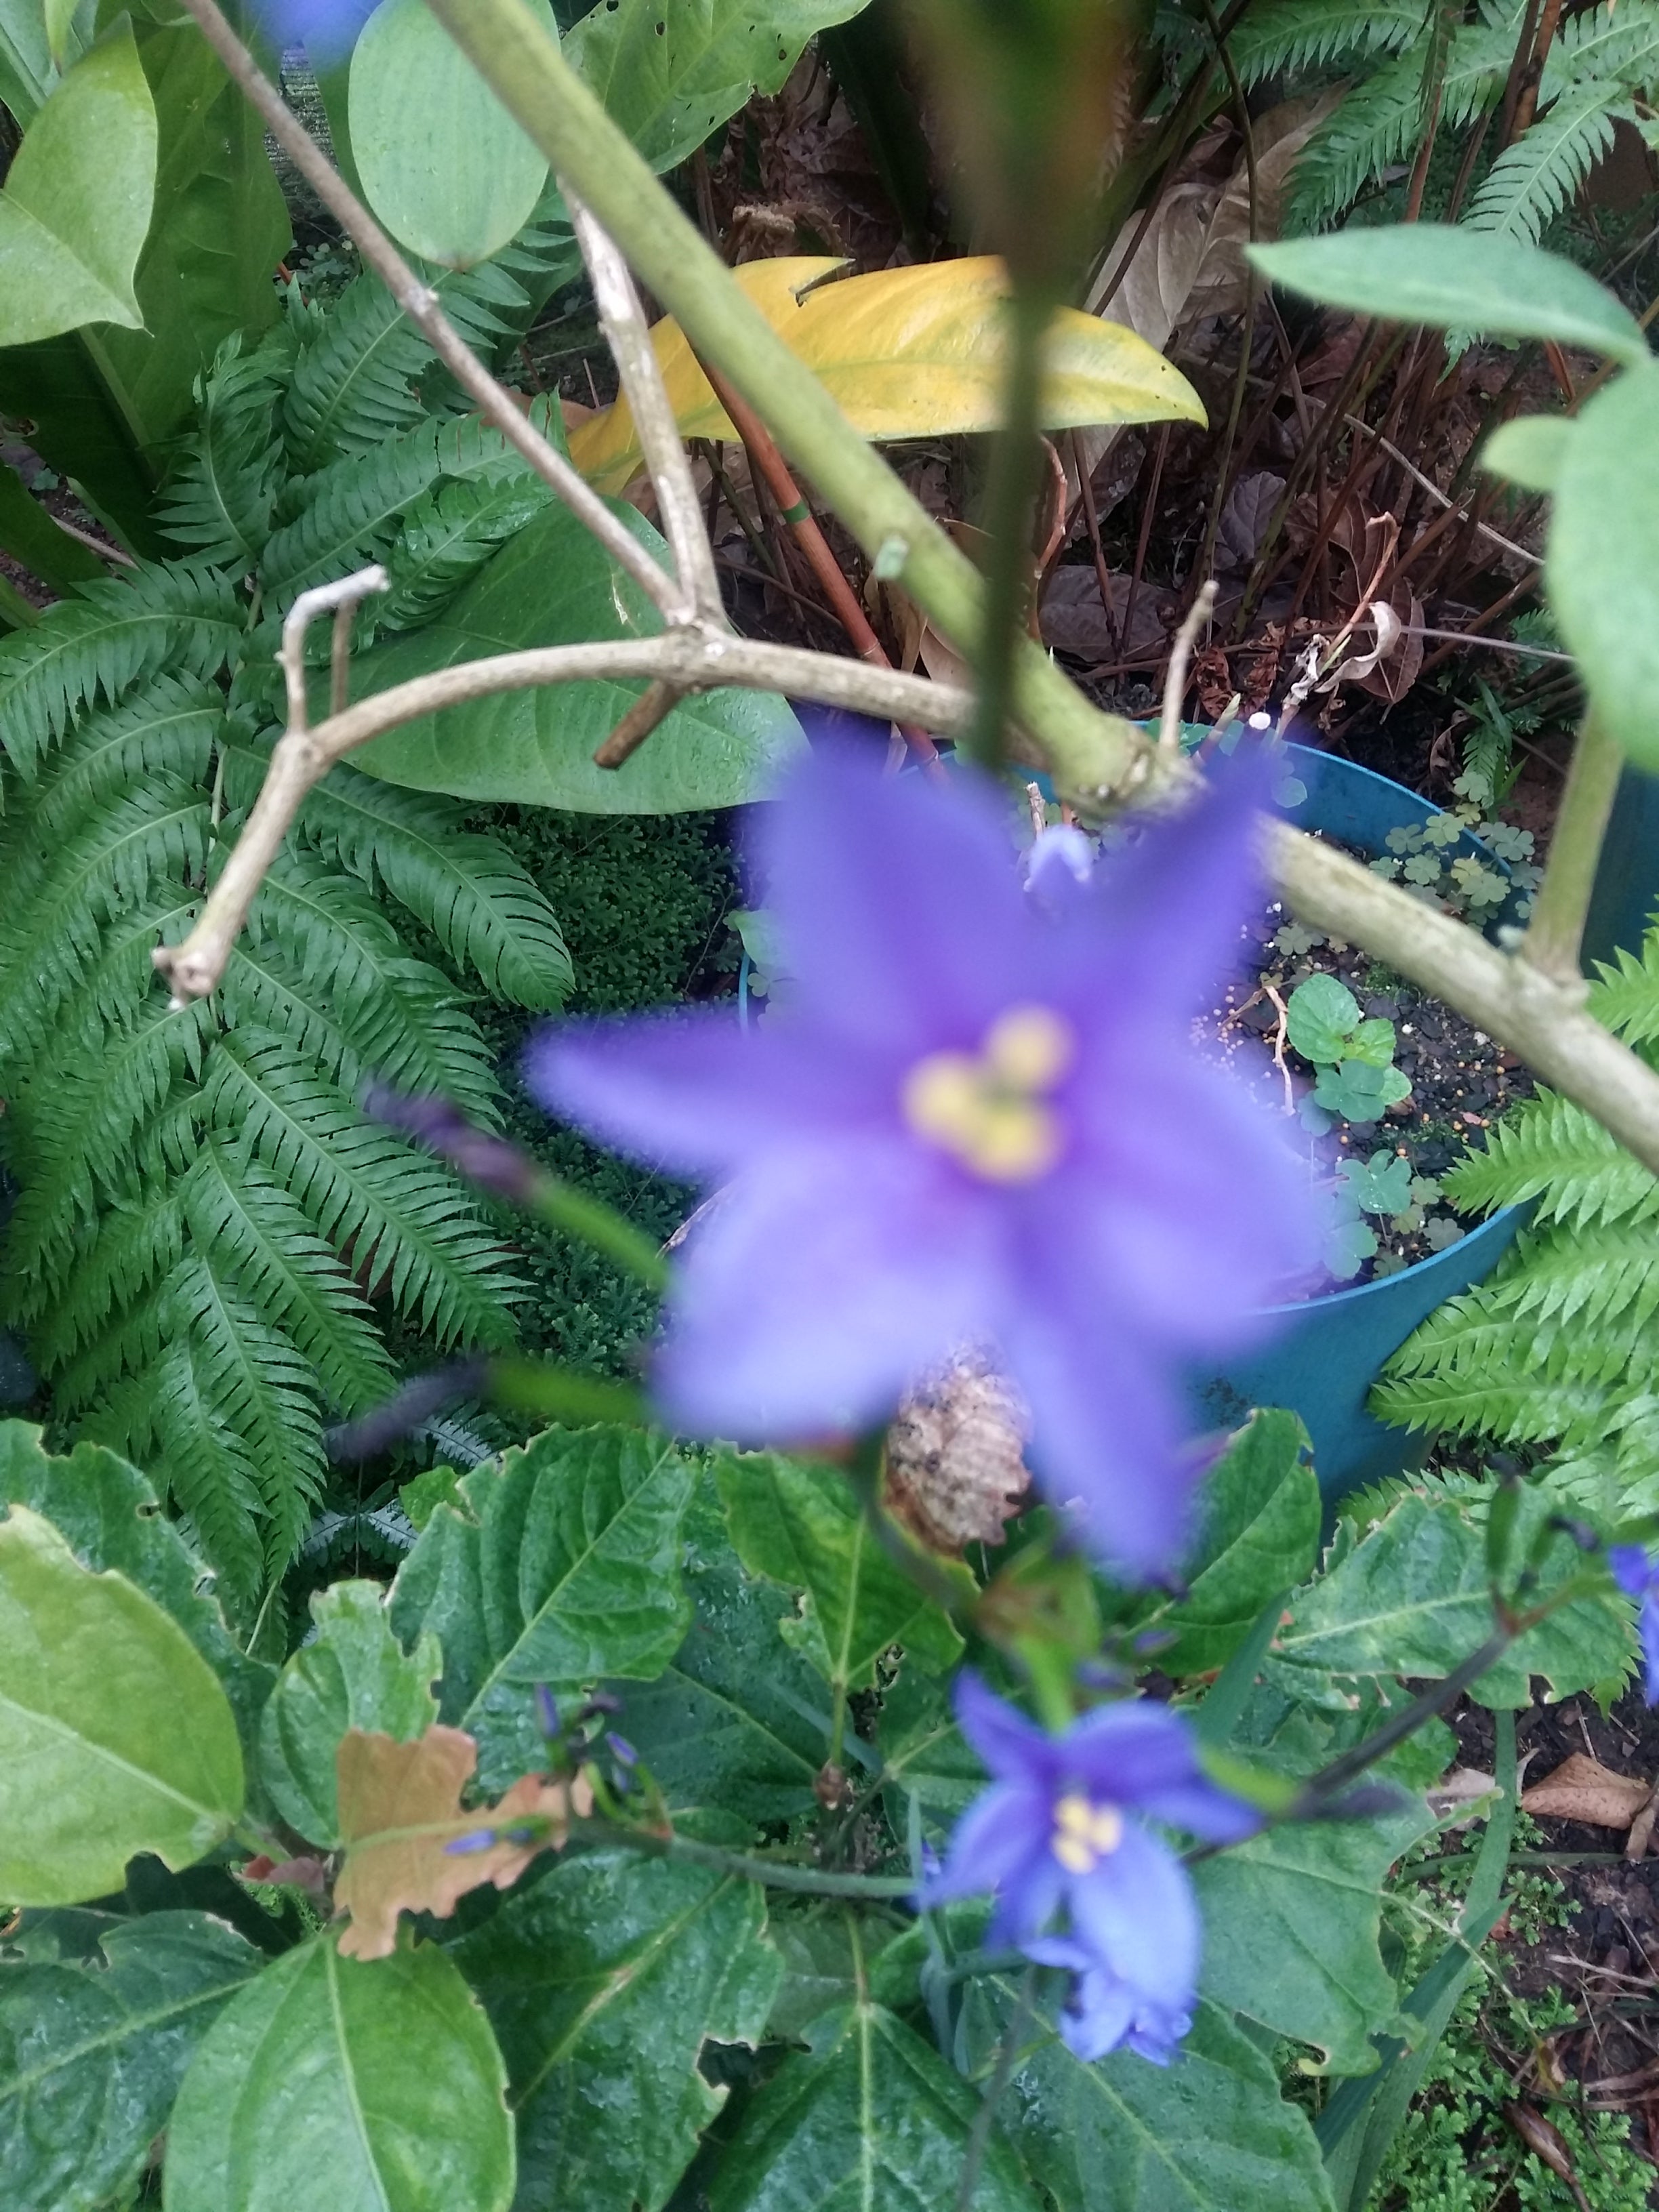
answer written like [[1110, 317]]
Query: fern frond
[[74, 1132], [1551, 1150], [182, 616], [402, 1016], [218, 501], [357, 382], [398, 1219], [1292, 36], [1530, 182], [168, 728], [252, 1227], [1602, 1280], [1615, 44], [51, 920], [1465, 1372], [483, 908], [351, 514], [1625, 994], [448, 537], [119, 1262], [73, 1008]]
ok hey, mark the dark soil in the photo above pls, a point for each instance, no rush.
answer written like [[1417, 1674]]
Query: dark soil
[[1606, 1958], [1461, 1080]]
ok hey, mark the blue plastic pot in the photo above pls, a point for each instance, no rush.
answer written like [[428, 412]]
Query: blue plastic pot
[[1325, 1353], [1626, 890]]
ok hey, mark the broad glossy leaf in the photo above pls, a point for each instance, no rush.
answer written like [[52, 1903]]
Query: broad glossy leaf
[[457, 188], [908, 353], [868, 2116], [1604, 558], [353, 1674], [91, 2056], [670, 71], [924, 1754], [603, 1982], [554, 586], [76, 204], [1412, 1598], [330, 2086], [115, 1737], [109, 1517], [1260, 1535], [1210, 2133], [827, 1949], [1456, 279], [802, 1526], [1531, 451], [1291, 1925], [560, 1566], [736, 1719], [401, 1820]]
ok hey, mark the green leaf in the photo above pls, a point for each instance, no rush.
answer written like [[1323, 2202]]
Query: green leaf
[[115, 1736], [1373, 1042], [76, 205], [361, 2087], [1260, 1535], [464, 183], [1603, 560], [802, 1526], [60, 15], [736, 1719], [670, 76], [1322, 1016], [560, 1566], [109, 1516], [1532, 450], [29, 534], [604, 1981], [1291, 1925], [1359, 1091], [554, 586], [91, 2057], [825, 1948], [1382, 1184], [354, 1674], [869, 2116], [1207, 2133], [1456, 279], [1412, 1599]]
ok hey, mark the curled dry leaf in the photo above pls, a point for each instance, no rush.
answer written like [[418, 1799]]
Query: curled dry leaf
[[1465, 1792], [1582, 1788], [400, 1812], [308, 1874], [955, 1468]]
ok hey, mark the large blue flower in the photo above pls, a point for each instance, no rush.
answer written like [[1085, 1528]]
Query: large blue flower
[[1638, 1576], [325, 28], [1080, 1881], [981, 1117]]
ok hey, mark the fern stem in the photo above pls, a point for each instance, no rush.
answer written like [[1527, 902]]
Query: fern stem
[[1555, 934]]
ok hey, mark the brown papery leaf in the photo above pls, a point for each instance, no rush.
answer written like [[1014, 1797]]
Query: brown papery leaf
[[400, 1811], [1582, 1788]]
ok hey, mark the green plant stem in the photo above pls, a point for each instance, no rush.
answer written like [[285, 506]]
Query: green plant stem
[[979, 2138], [1010, 501], [774, 1874], [511, 50], [592, 1222], [1555, 934]]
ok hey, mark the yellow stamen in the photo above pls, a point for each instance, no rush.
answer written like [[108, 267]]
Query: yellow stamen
[[987, 1109], [1085, 1833]]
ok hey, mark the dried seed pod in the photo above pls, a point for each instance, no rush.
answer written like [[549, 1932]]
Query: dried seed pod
[[955, 1469]]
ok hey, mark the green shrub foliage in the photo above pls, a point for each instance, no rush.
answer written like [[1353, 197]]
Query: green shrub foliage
[[1558, 1345], [210, 1239]]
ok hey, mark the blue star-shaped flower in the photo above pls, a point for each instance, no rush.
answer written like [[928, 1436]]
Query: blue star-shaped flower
[[980, 1117], [1080, 1881]]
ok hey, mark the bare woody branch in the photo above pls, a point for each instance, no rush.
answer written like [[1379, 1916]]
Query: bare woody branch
[[682, 660], [420, 303]]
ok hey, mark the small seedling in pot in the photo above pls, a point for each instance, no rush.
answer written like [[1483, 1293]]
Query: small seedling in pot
[[1351, 1054]]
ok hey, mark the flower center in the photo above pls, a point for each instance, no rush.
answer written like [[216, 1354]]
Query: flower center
[[989, 1109], [1085, 1833]]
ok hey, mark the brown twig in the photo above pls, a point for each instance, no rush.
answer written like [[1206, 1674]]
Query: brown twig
[[1181, 656]]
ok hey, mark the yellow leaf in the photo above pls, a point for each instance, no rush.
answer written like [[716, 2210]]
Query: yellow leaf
[[400, 1813], [908, 353]]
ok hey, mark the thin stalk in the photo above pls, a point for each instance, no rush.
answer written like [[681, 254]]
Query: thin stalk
[[1556, 932], [772, 1874], [1010, 501], [979, 2137]]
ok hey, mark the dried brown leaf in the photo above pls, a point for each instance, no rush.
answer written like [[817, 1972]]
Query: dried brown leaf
[[400, 1811], [1582, 1788], [956, 1467]]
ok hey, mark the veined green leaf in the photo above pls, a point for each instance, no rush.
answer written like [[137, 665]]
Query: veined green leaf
[[115, 1737], [1604, 557]]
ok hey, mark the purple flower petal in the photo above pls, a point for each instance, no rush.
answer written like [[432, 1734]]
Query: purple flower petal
[[996, 1844], [816, 1286], [1005, 1741], [1632, 1568], [1143, 1755], [1137, 1916]]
